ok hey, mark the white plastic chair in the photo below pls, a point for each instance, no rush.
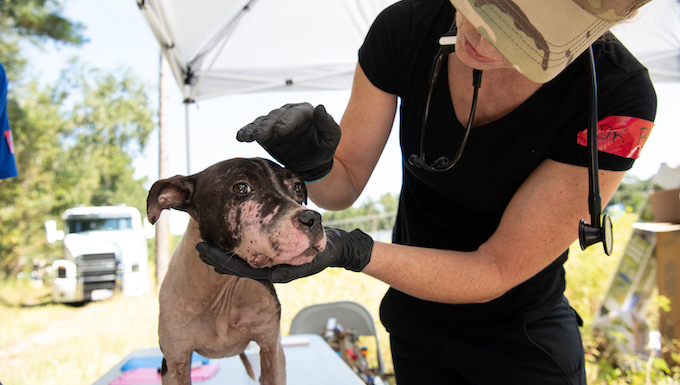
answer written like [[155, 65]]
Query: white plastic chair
[[350, 315]]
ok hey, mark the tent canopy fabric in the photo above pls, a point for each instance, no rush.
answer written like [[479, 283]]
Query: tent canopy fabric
[[216, 48], [223, 47], [653, 36]]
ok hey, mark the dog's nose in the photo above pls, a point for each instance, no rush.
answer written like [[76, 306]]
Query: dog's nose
[[312, 220]]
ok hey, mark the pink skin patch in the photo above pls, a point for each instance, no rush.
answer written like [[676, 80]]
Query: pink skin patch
[[272, 240]]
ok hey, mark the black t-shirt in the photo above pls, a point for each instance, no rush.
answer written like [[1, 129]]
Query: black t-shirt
[[461, 208]]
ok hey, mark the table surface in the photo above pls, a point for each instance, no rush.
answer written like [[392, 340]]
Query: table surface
[[309, 360]]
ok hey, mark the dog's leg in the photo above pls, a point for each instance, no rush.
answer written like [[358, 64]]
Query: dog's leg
[[246, 363], [176, 372], [272, 365]]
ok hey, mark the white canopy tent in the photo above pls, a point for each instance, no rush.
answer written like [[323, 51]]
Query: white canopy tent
[[225, 47]]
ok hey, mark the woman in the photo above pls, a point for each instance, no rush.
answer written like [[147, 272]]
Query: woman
[[475, 269]]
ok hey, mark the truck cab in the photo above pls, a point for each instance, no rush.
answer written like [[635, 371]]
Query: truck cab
[[105, 249]]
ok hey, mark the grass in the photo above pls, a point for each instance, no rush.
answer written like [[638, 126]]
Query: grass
[[57, 344]]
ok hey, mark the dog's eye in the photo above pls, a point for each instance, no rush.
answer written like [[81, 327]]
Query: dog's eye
[[297, 188], [242, 188]]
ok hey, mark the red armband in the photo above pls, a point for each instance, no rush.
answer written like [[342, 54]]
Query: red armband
[[620, 135]]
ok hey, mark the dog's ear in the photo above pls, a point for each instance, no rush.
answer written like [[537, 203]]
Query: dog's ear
[[172, 193]]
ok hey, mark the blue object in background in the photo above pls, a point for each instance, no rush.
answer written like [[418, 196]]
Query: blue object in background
[[8, 166], [156, 362]]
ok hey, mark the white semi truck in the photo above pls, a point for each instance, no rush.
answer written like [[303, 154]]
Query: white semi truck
[[105, 249]]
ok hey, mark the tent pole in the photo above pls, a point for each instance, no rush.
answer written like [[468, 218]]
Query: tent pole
[[163, 224], [186, 128]]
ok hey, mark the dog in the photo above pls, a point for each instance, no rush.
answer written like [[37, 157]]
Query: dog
[[253, 208]]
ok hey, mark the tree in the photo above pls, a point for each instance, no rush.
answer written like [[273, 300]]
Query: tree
[[74, 143], [37, 21], [107, 126], [74, 139], [371, 215], [41, 20], [631, 192]]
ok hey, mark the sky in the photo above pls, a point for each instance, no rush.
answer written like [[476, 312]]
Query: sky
[[119, 38]]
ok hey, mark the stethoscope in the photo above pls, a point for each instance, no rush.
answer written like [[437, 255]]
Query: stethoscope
[[447, 45], [600, 229]]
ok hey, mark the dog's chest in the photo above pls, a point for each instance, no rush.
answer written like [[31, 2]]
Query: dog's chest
[[244, 305]]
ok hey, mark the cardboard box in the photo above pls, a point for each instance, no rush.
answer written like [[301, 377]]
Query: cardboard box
[[666, 225], [666, 205]]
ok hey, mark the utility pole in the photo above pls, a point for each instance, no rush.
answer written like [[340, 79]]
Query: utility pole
[[162, 225]]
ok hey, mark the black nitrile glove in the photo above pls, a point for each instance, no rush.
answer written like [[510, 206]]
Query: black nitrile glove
[[349, 250], [299, 136]]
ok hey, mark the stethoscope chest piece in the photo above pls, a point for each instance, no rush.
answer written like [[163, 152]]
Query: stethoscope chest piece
[[589, 235]]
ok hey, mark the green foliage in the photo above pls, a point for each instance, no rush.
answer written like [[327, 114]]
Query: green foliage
[[34, 22], [631, 193], [107, 126], [371, 215], [39, 19], [606, 365]]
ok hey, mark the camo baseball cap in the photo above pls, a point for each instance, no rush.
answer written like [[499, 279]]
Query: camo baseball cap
[[541, 37]]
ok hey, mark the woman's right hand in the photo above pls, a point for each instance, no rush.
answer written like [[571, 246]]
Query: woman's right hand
[[299, 136]]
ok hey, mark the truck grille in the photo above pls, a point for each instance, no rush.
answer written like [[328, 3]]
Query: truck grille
[[98, 271]]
